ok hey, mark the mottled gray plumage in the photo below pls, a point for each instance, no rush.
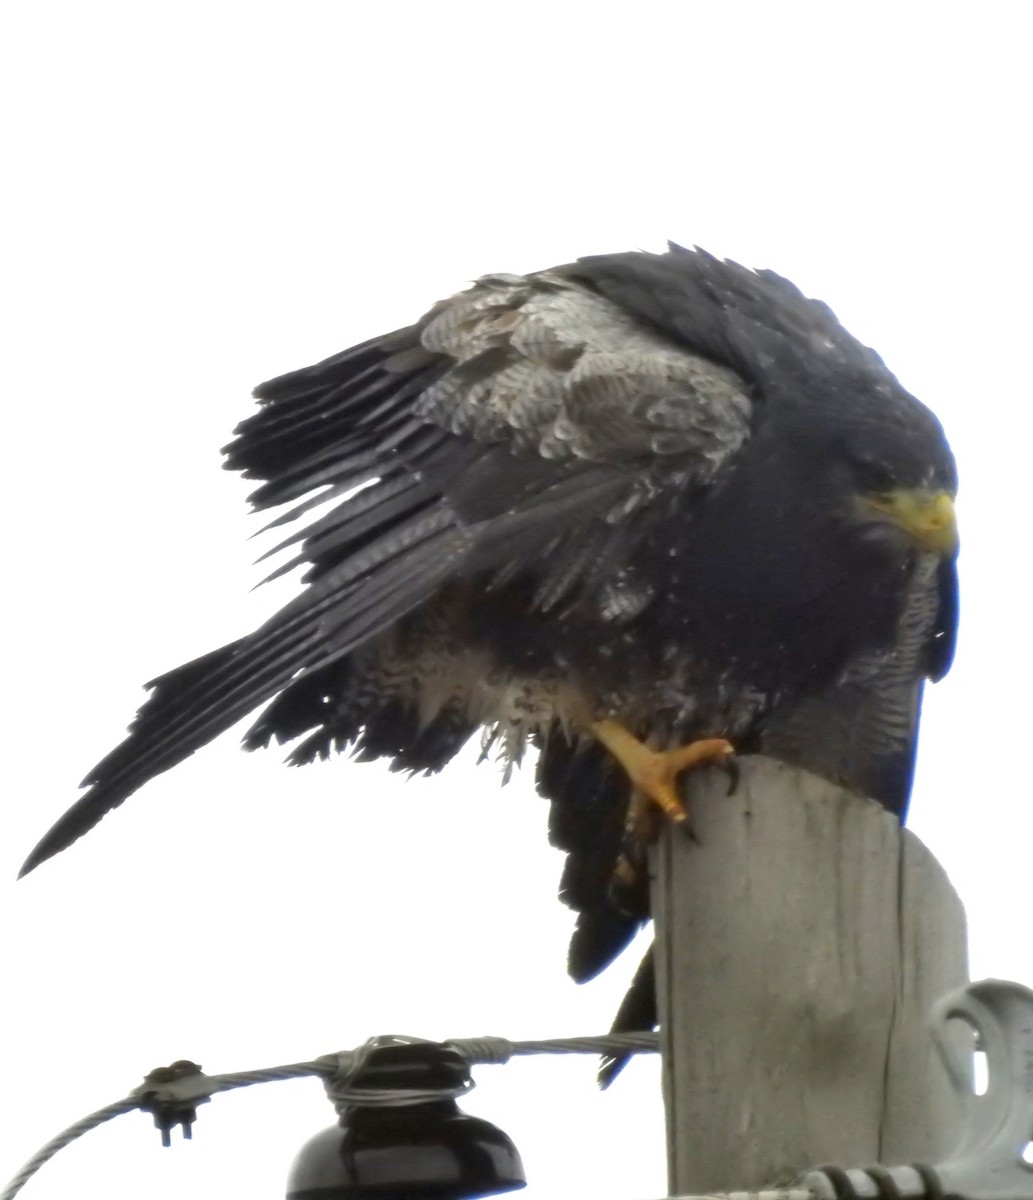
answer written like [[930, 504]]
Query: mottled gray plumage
[[661, 489]]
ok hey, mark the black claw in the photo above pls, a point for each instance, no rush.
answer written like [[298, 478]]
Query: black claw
[[730, 764], [688, 827]]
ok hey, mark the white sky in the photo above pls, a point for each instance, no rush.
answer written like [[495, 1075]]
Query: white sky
[[202, 195]]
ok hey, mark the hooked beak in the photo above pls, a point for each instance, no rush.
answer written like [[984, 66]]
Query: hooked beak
[[927, 517]]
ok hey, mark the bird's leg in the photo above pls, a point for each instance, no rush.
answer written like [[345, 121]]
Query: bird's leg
[[654, 796], [654, 773]]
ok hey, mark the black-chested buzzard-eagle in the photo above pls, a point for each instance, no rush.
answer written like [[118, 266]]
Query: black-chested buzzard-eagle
[[640, 500]]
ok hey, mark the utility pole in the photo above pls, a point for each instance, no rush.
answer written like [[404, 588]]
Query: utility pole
[[800, 947]]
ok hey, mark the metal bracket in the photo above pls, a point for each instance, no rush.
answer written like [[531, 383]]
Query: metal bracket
[[997, 1126]]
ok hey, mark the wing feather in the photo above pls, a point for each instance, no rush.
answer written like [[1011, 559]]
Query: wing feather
[[514, 427]]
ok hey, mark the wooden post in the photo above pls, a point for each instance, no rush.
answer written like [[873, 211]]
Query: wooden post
[[799, 948]]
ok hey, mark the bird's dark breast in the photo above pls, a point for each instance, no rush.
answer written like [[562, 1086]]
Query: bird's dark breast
[[779, 622], [775, 581]]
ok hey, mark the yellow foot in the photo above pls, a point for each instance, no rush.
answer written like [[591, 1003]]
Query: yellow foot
[[654, 773]]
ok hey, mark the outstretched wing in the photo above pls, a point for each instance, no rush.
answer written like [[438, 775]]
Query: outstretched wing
[[527, 428]]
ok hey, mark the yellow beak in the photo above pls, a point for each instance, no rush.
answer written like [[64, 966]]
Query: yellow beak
[[929, 517]]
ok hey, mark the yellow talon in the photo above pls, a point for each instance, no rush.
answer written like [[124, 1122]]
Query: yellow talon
[[654, 773]]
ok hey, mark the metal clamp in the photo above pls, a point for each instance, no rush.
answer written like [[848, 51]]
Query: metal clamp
[[172, 1094]]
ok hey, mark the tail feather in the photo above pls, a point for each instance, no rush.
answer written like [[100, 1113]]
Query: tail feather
[[637, 1013]]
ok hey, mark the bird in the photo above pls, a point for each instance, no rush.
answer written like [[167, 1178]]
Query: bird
[[639, 513]]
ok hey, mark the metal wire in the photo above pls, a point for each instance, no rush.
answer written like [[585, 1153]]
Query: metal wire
[[65, 1138], [330, 1067]]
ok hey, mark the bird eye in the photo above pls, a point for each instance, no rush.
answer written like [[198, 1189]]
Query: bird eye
[[874, 476]]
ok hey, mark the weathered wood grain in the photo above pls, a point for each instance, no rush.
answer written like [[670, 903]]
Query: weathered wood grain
[[800, 946]]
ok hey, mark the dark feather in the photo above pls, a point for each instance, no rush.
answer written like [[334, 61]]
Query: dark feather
[[637, 1013]]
